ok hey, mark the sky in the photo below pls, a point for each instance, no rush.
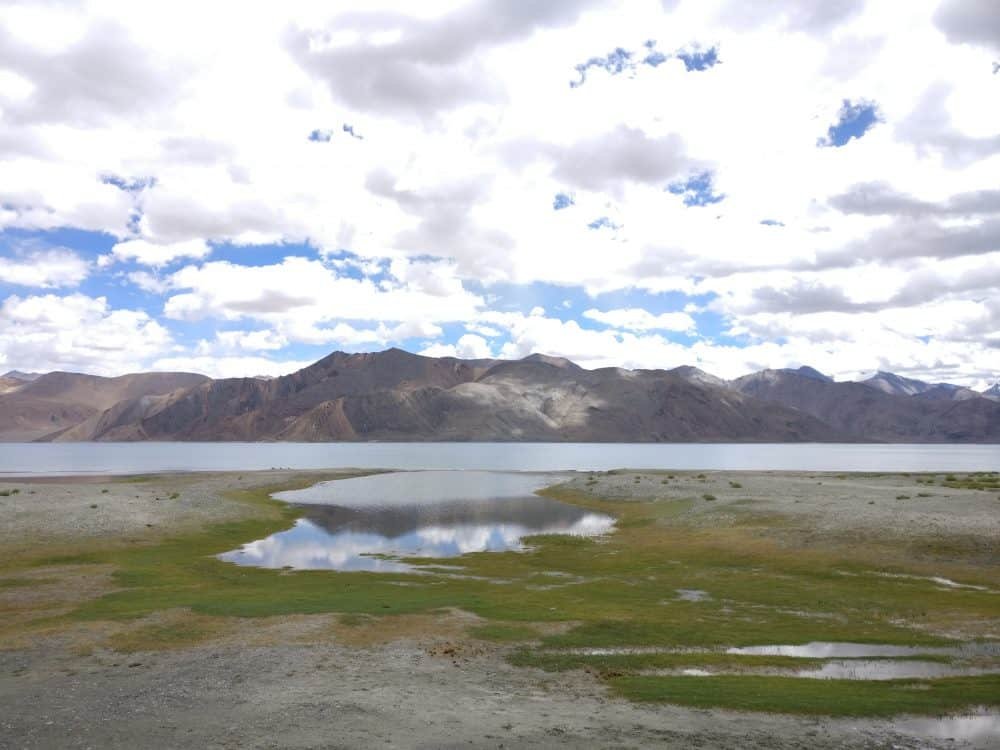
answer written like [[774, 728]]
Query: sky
[[239, 189]]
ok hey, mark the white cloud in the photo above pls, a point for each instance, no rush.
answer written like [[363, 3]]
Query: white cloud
[[148, 282], [299, 295], [470, 130], [58, 267], [77, 333], [468, 346], [152, 254], [638, 319], [229, 367]]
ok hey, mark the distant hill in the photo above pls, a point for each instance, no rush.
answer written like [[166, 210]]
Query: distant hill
[[24, 377], [396, 395], [897, 385], [867, 412], [57, 401]]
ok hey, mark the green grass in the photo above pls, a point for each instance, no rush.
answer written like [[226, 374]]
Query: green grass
[[981, 480], [617, 591], [806, 696]]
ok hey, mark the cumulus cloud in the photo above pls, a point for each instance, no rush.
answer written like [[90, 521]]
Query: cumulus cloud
[[55, 267], [970, 21], [606, 161], [102, 74], [406, 65], [813, 16], [163, 134], [151, 254], [638, 319], [229, 367], [77, 333], [468, 346], [881, 199], [302, 297], [930, 129]]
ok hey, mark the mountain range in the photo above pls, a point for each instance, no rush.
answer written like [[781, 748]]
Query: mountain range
[[395, 395]]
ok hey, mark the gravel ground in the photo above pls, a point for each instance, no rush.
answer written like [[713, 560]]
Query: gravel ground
[[404, 694], [73, 508], [855, 506], [302, 683]]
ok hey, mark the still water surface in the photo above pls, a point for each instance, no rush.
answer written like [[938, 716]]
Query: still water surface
[[131, 458], [368, 523]]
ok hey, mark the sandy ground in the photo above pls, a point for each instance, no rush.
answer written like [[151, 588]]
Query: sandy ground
[[302, 682]]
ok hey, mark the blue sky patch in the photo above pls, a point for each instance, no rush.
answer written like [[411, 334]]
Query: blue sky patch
[[128, 184], [695, 59], [853, 121], [321, 136], [772, 223], [615, 62], [622, 60], [697, 190], [561, 201], [603, 223], [349, 129]]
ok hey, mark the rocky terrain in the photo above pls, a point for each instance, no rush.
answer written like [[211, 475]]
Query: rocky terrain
[[398, 396]]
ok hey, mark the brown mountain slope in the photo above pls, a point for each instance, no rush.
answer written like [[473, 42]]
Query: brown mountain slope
[[255, 409], [9, 384], [57, 401], [866, 413], [394, 395]]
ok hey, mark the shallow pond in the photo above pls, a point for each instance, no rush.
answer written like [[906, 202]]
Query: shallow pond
[[983, 729], [369, 523]]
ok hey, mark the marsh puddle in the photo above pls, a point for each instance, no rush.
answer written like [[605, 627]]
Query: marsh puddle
[[843, 650], [976, 728], [861, 669], [368, 523]]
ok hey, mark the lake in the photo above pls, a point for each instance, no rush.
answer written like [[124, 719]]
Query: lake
[[134, 458], [368, 523]]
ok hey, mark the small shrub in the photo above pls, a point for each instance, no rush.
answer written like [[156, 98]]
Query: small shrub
[[104, 492], [706, 496], [701, 476], [924, 494], [174, 495], [902, 497], [736, 485]]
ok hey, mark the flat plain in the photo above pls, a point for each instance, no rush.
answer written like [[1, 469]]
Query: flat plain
[[119, 627]]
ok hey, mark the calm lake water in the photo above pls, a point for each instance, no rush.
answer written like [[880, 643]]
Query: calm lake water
[[131, 458], [367, 523]]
